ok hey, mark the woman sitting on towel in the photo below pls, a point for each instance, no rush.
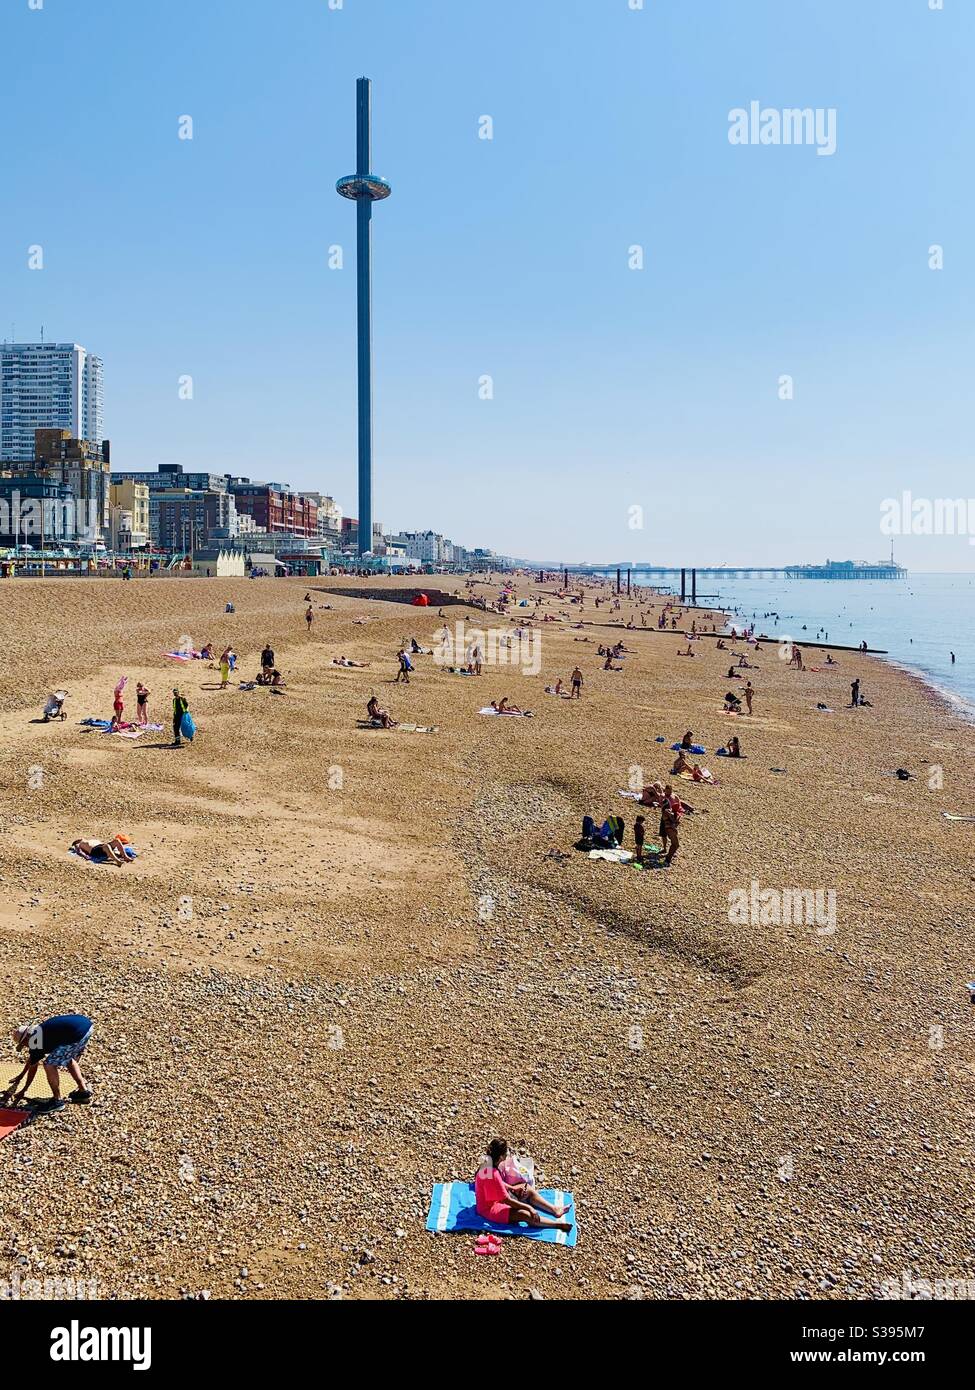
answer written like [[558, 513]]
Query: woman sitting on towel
[[510, 1199], [502, 707], [734, 747], [681, 765], [378, 716]]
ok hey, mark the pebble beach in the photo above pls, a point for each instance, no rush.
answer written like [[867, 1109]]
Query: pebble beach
[[347, 958]]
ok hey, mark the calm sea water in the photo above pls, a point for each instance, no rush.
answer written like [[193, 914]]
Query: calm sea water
[[920, 620]]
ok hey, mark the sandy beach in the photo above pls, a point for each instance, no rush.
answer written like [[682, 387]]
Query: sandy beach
[[346, 958]]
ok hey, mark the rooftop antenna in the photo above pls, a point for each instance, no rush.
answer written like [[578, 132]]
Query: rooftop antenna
[[42, 333]]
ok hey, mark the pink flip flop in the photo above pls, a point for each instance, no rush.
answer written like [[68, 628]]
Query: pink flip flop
[[487, 1244]]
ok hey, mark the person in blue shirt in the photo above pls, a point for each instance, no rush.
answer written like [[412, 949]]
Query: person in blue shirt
[[57, 1042]]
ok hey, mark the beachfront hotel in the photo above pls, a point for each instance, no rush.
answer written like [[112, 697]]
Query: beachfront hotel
[[48, 386]]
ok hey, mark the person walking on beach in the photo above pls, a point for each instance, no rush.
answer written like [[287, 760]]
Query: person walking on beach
[[576, 679], [180, 707], [749, 695], [309, 616], [855, 693], [224, 668], [267, 660], [405, 667], [57, 1042], [142, 702]]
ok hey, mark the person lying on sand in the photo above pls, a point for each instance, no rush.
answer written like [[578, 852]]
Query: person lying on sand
[[380, 717], [102, 851], [503, 707], [608, 665], [344, 661], [507, 1203]]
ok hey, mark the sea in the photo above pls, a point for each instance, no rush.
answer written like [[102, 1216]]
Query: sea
[[919, 620]]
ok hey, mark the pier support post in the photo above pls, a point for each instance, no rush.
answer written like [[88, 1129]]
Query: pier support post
[[694, 586], [683, 585]]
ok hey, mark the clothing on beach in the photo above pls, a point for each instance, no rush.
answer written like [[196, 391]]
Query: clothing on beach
[[491, 1196], [60, 1039]]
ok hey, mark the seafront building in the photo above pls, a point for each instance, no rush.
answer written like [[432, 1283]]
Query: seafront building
[[78, 465], [48, 386], [129, 516]]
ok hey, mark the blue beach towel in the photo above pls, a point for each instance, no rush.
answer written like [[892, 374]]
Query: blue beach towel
[[97, 723], [694, 748], [452, 1209]]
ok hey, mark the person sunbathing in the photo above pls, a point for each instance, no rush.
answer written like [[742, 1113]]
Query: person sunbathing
[[688, 652], [688, 740], [652, 795], [734, 747], [344, 661], [608, 665], [508, 1202], [380, 717], [206, 652], [102, 851], [503, 707], [681, 765]]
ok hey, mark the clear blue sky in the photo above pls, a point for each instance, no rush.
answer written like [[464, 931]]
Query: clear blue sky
[[613, 388]]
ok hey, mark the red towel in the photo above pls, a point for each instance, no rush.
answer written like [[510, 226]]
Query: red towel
[[10, 1119]]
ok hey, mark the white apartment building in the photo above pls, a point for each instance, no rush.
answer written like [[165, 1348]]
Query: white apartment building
[[425, 546], [47, 386]]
